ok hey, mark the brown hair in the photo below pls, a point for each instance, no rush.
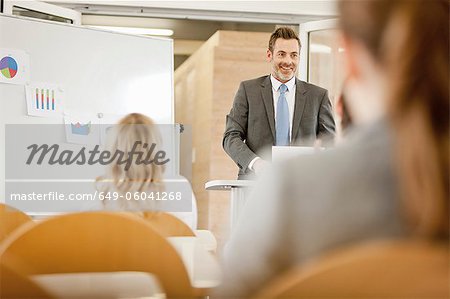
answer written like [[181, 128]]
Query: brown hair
[[284, 33], [346, 118], [410, 40]]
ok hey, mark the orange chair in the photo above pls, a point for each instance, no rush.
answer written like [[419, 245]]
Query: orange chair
[[168, 225], [10, 220], [97, 242], [380, 270], [13, 285]]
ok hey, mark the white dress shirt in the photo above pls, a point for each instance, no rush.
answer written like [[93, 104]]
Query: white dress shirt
[[290, 98]]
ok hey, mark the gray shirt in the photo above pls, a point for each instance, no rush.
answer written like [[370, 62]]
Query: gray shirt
[[308, 205]]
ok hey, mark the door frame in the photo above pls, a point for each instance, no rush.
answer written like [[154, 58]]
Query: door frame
[[305, 30]]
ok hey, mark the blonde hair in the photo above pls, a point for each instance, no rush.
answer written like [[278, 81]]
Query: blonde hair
[[133, 131]]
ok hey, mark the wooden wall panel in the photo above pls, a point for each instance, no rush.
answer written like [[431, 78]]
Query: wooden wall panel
[[203, 100]]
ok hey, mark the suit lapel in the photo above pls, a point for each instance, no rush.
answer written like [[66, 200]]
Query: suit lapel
[[300, 101], [266, 90]]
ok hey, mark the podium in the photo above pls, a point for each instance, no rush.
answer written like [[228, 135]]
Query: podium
[[239, 191]]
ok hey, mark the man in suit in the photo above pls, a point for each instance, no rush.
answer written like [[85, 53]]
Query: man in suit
[[278, 109]]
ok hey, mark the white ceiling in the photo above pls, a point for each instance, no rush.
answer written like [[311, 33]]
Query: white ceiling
[[300, 7], [193, 22]]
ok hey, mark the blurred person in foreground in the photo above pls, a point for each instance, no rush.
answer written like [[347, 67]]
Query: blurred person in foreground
[[344, 115], [126, 184], [389, 181]]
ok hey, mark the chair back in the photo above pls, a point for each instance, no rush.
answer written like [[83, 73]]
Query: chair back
[[10, 220], [400, 269], [97, 242], [168, 225], [14, 285]]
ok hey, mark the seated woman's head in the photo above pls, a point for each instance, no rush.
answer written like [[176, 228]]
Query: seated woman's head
[[138, 138], [397, 58]]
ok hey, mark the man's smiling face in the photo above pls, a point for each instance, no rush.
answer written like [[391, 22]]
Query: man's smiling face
[[284, 59]]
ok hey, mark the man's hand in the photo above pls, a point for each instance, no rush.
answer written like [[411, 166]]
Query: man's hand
[[259, 166]]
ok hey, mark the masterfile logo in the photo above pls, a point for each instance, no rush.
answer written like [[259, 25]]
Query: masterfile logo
[[42, 151], [52, 155]]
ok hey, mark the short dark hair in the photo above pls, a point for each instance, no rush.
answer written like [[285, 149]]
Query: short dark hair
[[284, 33]]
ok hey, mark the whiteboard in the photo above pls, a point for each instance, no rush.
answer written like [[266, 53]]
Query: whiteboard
[[100, 73]]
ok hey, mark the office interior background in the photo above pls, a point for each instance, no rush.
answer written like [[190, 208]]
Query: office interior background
[[201, 52], [216, 45]]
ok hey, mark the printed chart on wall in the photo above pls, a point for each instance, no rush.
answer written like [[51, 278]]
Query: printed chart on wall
[[82, 129], [14, 66], [44, 100]]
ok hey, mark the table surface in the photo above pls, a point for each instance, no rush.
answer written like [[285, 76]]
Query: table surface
[[201, 264], [124, 284]]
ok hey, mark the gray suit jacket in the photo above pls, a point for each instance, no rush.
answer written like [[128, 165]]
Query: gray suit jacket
[[250, 125]]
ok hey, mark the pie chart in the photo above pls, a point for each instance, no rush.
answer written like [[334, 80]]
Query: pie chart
[[8, 67]]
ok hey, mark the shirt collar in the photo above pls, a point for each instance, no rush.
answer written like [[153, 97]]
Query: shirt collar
[[276, 84]]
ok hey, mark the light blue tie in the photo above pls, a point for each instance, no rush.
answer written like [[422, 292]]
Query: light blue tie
[[282, 121]]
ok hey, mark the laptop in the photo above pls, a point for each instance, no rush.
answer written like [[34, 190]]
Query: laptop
[[281, 153]]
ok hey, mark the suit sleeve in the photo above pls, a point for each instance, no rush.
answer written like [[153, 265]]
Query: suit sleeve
[[236, 131], [326, 128]]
